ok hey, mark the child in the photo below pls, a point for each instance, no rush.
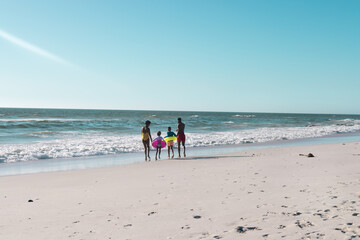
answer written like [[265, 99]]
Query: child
[[170, 143], [158, 146]]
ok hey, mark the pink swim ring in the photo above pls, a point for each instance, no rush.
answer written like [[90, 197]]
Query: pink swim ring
[[160, 142]]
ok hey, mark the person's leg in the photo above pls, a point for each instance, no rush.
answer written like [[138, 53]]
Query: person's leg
[[179, 149], [169, 151], [172, 150], [183, 143], [157, 150], [145, 147], [148, 149]]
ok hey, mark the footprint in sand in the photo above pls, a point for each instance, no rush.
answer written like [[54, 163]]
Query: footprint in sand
[[324, 215], [281, 227], [303, 223], [185, 227], [314, 235]]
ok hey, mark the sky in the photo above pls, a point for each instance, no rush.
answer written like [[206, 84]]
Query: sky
[[298, 56]]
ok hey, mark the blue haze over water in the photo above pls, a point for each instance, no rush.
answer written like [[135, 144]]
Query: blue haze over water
[[43, 134]]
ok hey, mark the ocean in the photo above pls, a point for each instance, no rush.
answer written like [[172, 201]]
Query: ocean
[[44, 134]]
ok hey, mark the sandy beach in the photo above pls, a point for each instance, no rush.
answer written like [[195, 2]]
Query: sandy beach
[[260, 96], [261, 194]]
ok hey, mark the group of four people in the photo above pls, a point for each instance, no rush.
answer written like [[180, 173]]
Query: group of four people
[[146, 138]]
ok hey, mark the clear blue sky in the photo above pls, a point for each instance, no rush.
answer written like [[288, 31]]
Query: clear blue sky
[[245, 56]]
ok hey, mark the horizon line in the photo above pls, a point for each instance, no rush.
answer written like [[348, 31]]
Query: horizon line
[[205, 111]]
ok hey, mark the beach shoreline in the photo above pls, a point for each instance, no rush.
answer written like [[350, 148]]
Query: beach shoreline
[[44, 134], [268, 193], [76, 163]]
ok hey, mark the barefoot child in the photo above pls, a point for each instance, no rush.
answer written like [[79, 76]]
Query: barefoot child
[[170, 143], [158, 146]]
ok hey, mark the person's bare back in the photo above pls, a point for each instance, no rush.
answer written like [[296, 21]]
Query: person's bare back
[[181, 136], [181, 128]]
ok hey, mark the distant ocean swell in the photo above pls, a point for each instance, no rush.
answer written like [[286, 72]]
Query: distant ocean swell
[[61, 123], [94, 144]]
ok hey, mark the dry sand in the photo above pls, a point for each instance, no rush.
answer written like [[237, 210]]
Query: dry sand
[[261, 194]]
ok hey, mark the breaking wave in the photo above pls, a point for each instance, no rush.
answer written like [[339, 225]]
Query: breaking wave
[[94, 144]]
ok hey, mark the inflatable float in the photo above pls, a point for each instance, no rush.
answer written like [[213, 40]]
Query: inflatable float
[[172, 138], [156, 142]]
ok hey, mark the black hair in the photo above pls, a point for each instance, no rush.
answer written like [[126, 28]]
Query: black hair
[[179, 119], [158, 133], [169, 128], [147, 122]]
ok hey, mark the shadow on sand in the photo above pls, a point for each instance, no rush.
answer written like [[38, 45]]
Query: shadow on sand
[[213, 157]]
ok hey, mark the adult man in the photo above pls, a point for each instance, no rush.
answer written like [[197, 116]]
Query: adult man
[[181, 135], [146, 137]]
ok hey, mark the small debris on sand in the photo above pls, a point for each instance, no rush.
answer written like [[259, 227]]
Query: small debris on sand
[[296, 213], [310, 155], [241, 229], [151, 213]]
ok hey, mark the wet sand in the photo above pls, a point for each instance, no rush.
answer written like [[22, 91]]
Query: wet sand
[[260, 194]]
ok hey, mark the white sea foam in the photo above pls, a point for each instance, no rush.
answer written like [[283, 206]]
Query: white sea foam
[[245, 116], [93, 145], [347, 122], [229, 122], [67, 148]]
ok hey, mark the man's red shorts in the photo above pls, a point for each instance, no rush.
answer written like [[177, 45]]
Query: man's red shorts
[[181, 137]]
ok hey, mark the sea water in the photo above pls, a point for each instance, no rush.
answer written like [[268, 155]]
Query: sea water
[[45, 134]]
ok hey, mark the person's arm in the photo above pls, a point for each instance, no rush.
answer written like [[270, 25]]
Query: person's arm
[[150, 135]]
